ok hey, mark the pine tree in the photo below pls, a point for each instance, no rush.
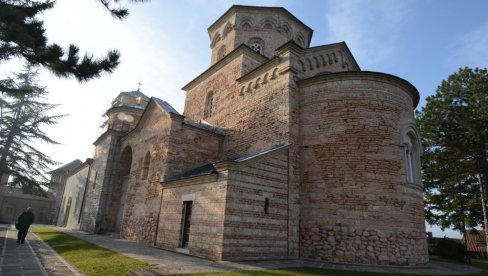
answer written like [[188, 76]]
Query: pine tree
[[22, 35], [454, 125], [22, 117]]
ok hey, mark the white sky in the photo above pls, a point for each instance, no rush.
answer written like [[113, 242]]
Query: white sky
[[164, 44]]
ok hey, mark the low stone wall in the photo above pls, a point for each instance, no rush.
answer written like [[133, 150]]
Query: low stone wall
[[343, 244]]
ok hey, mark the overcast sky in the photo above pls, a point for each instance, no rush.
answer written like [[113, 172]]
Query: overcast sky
[[165, 44]]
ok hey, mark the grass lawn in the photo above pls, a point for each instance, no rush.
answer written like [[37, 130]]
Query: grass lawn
[[481, 263], [91, 259], [88, 258]]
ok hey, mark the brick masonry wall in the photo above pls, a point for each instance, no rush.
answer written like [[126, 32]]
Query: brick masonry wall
[[207, 218], [174, 148], [239, 114], [279, 30], [191, 147], [249, 232], [357, 206]]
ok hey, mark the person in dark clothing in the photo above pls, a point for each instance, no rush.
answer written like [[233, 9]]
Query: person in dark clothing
[[23, 222]]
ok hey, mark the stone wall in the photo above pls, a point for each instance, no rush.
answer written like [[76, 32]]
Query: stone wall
[[356, 203], [256, 215], [143, 196], [13, 202], [106, 148]]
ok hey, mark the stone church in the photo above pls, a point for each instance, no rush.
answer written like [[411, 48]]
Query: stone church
[[283, 151]]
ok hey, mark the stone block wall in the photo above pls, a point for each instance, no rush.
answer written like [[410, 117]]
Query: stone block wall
[[143, 196], [356, 204], [256, 215]]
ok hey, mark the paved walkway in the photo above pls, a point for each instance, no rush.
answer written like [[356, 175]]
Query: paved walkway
[[174, 263], [37, 258], [34, 257]]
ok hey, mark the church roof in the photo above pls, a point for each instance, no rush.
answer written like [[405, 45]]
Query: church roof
[[164, 105], [204, 125], [212, 167], [67, 167], [136, 94], [117, 102]]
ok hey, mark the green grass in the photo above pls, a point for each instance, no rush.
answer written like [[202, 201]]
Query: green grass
[[300, 271], [88, 258], [481, 263]]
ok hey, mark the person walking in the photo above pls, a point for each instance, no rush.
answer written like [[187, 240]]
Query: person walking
[[23, 223]]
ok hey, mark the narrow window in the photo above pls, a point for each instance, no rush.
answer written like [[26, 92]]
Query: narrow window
[[185, 224], [266, 205], [210, 108], [409, 151], [145, 169], [412, 157]]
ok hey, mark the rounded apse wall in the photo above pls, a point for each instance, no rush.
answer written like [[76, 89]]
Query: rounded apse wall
[[358, 203]]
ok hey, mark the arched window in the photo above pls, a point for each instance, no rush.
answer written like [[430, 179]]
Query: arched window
[[210, 105], [257, 47], [413, 150], [145, 168], [257, 44]]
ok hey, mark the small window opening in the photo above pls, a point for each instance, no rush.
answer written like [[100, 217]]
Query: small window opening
[[266, 205]]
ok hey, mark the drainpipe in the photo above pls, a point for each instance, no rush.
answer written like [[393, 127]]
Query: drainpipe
[[159, 215], [90, 164]]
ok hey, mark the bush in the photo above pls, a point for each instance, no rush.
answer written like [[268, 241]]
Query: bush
[[450, 249]]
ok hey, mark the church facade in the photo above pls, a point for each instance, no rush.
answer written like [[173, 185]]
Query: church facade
[[283, 151]]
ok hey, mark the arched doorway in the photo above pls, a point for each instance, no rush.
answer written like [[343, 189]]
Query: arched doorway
[[120, 184]]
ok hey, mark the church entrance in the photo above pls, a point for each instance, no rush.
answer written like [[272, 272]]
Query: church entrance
[[120, 183], [185, 224]]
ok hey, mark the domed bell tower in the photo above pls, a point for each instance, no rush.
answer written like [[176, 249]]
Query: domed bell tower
[[262, 29]]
